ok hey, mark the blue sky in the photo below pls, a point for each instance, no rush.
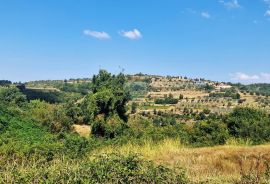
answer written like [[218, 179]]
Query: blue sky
[[225, 40]]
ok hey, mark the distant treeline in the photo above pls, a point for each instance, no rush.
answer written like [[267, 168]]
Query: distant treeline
[[255, 89]]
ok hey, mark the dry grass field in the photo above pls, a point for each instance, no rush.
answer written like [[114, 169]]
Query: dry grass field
[[220, 164]]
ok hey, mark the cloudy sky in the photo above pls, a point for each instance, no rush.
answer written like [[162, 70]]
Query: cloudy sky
[[225, 40]]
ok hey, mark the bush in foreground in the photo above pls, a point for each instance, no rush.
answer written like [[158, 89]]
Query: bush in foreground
[[112, 168]]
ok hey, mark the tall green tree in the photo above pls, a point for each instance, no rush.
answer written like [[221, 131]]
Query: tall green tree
[[108, 98]]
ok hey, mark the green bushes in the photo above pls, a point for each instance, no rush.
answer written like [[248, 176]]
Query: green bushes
[[112, 168], [11, 96], [3, 124], [75, 146], [209, 133], [226, 93], [50, 115], [137, 88], [244, 123], [164, 121], [47, 96], [166, 100], [248, 123], [5, 83], [141, 130], [132, 169], [114, 127]]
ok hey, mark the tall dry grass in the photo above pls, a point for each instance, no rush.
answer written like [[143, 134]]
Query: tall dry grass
[[221, 164]]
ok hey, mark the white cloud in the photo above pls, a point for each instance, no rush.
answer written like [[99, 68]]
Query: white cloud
[[96, 34], [232, 4], [133, 34], [206, 15], [265, 76], [267, 13], [239, 76], [259, 78]]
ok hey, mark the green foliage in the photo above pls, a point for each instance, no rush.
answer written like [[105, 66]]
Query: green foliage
[[208, 87], [142, 129], [132, 169], [201, 116], [37, 144], [181, 97], [166, 100], [74, 112], [249, 123], [53, 116], [3, 124], [109, 97], [258, 89], [137, 88], [12, 96], [82, 88], [226, 93], [48, 96], [5, 83], [75, 146], [24, 138], [134, 108], [209, 133], [109, 129], [112, 168], [103, 102], [164, 121]]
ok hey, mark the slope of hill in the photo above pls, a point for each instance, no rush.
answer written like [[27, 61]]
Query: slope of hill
[[133, 129]]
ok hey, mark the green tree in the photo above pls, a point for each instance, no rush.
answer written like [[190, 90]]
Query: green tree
[[12, 96], [133, 108], [181, 97], [109, 97], [249, 123], [209, 133]]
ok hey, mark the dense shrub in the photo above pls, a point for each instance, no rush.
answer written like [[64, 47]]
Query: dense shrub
[[164, 121], [5, 83], [112, 168], [112, 128], [51, 115], [12, 96], [209, 133], [227, 93], [137, 88], [76, 146], [3, 124], [166, 100], [48, 96], [249, 123]]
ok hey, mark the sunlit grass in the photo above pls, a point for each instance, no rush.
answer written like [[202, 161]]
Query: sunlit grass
[[220, 164]]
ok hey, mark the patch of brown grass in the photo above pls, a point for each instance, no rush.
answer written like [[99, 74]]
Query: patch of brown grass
[[221, 164], [82, 130]]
